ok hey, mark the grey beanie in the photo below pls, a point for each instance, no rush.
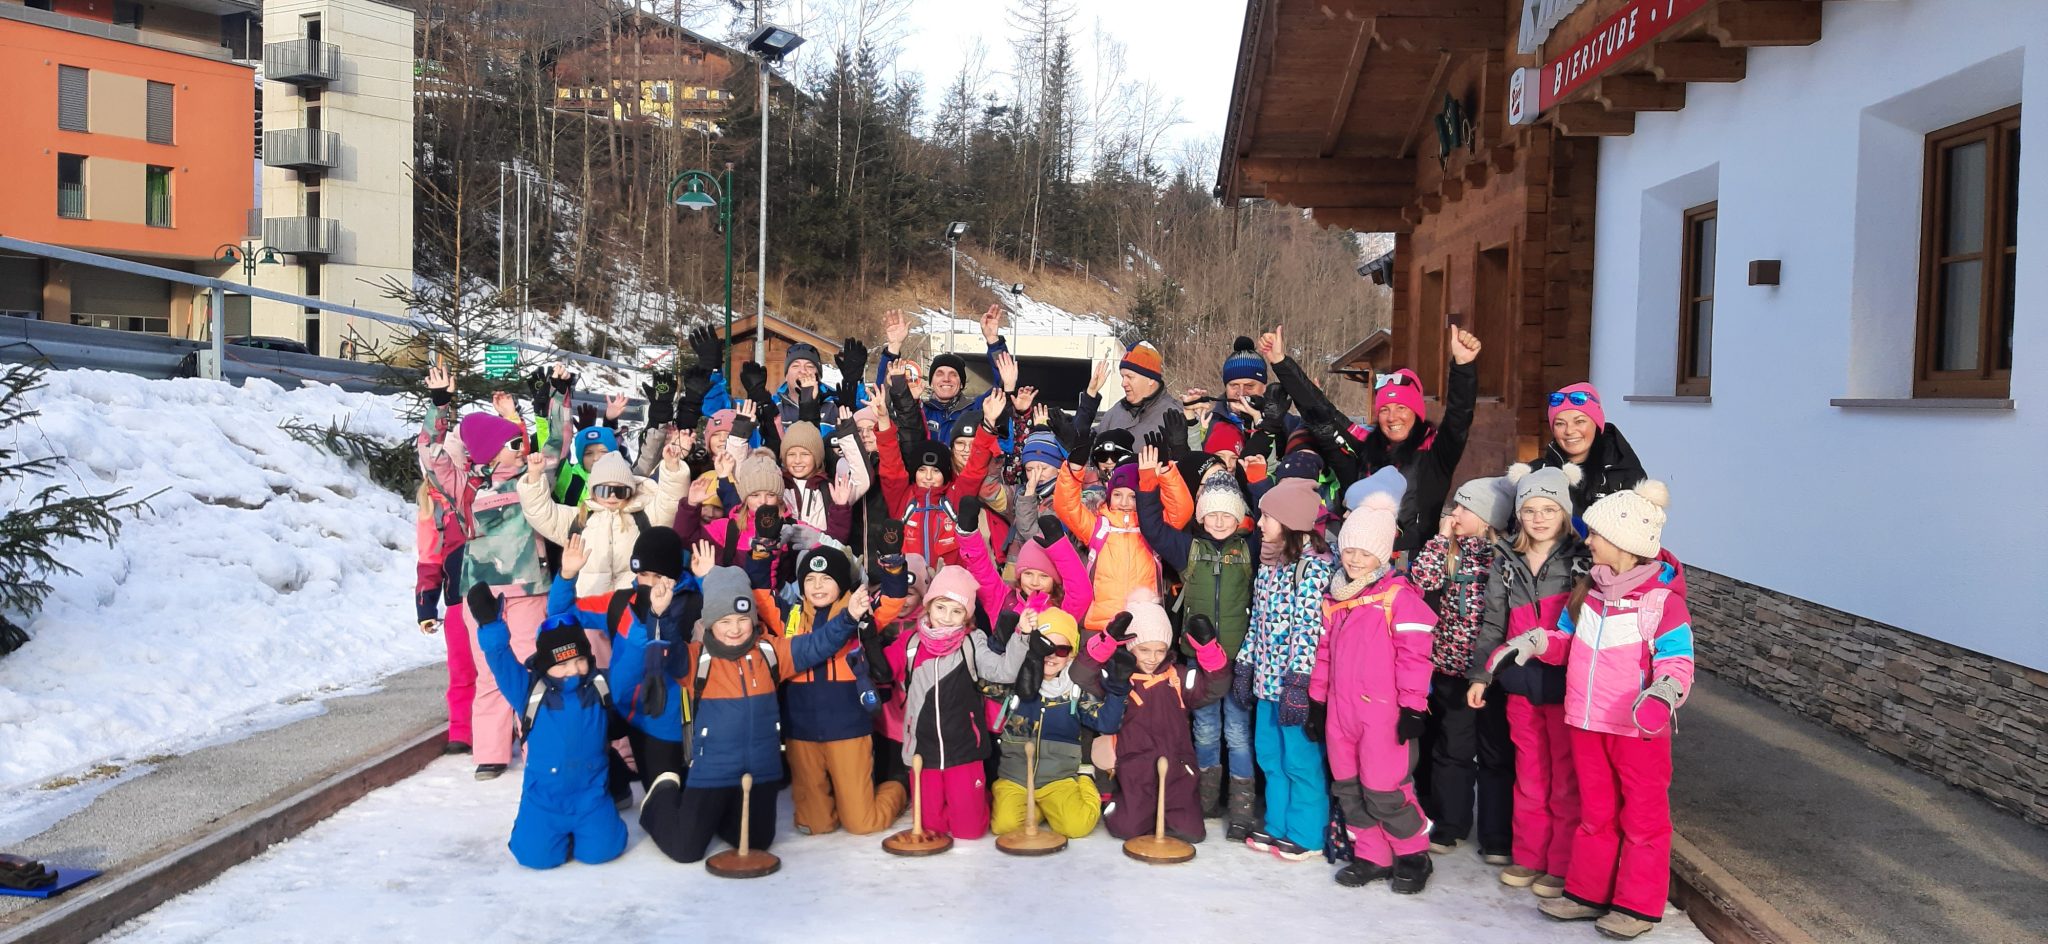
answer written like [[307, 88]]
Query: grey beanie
[[1552, 482], [1492, 499], [726, 592]]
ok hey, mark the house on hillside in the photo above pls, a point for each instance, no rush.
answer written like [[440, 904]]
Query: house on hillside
[[641, 66], [1785, 241]]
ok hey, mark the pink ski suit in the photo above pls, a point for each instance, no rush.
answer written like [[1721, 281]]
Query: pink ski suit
[[1633, 629], [1372, 662], [997, 597]]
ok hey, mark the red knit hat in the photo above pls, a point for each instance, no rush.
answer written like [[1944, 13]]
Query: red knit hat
[[1224, 436], [1144, 359]]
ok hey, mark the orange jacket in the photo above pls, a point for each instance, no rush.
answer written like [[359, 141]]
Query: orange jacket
[[1119, 560]]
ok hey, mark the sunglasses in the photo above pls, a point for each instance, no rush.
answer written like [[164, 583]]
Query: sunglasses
[[612, 491], [1392, 380], [1577, 398], [1063, 651]]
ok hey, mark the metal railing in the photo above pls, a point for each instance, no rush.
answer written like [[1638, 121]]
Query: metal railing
[[302, 62], [301, 149], [303, 235], [71, 201], [119, 34]]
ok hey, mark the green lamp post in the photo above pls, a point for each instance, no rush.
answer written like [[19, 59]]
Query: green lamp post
[[688, 190]]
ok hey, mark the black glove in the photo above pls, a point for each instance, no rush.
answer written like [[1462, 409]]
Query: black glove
[[586, 416], [892, 534], [768, 524], [810, 405], [969, 514], [1116, 674], [1201, 629], [1119, 629], [1006, 626], [754, 380], [1031, 674], [440, 397], [1157, 441], [1318, 718], [689, 405], [537, 389], [12, 637], [1050, 530], [875, 646], [654, 681], [562, 384], [1078, 443], [709, 346], [484, 606], [853, 365], [660, 391], [1409, 728]]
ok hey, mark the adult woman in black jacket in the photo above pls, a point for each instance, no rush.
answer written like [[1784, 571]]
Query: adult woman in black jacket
[[1581, 436]]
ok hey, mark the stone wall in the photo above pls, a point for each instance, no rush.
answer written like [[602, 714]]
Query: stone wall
[[1978, 722]]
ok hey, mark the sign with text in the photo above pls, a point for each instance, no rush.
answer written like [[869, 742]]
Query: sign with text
[[500, 360], [1531, 92]]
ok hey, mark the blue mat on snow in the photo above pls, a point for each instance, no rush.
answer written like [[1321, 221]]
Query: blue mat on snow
[[67, 879]]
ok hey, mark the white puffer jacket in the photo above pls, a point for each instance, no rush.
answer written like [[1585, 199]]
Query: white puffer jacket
[[608, 536]]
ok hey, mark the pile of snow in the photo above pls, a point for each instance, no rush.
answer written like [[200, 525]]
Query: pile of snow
[[265, 570], [425, 860]]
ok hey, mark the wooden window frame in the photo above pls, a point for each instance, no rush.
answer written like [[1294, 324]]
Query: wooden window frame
[[1987, 379], [1690, 384]]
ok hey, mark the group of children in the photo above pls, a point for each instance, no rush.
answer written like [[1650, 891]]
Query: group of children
[[834, 590]]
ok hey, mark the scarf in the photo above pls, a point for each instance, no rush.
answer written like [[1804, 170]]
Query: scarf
[[938, 642], [1614, 586], [1345, 591], [733, 653], [1059, 687], [1272, 554]]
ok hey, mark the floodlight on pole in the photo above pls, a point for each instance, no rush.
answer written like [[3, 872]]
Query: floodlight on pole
[[954, 231], [771, 43]]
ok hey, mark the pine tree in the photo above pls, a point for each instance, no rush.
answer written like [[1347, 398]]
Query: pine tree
[[38, 522]]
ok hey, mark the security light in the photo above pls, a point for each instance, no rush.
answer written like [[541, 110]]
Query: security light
[[1017, 289], [954, 231], [773, 43]]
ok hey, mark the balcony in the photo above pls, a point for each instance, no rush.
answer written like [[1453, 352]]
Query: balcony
[[303, 235], [302, 62], [306, 150]]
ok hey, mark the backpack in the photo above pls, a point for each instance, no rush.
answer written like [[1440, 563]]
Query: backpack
[[537, 692]]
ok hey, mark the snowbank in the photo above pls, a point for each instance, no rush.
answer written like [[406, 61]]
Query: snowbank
[[267, 570], [425, 860]]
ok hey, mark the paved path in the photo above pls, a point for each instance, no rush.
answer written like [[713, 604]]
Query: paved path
[[1848, 843], [136, 818]]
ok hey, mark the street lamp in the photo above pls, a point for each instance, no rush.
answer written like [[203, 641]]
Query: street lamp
[[954, 231], [693, 197], [250, 255], [771, 44]]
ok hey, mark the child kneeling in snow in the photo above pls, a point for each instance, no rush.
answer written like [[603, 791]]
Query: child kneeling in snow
[[1050, 711], [565, 708], [1159, 706], [1628, 657], [732, 722], [939, 668]]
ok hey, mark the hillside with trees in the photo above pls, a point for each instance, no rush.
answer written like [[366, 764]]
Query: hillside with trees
[[1060, 171]]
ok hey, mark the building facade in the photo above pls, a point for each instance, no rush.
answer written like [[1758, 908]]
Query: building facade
[[129, 130], [337, 197], [646, 67], [1798, 248]]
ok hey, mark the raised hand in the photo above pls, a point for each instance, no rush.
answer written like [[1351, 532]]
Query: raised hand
[[1099, 373], [841, 491], [1006, 370], [662, 593], [1464, 345], [1273, 345], [673, 451], [1148, 455], [615, 406], [1119, 629], [993, 404], [703, 557], [574, 556], [1193, 396], [505, 406], [439, 378], [709, 346], [536, 468], [1040, 416], [660, 391], [685, 439], [747, 410], [858, 603], [754, 380], [992, 324], [895, 328], [1025, 399], [852, 361]]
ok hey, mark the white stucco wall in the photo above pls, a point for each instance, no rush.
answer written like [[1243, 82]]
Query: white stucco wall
[[1932, 520]]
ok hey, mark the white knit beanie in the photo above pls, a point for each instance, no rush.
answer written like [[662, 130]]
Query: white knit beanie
[[1219, 493], [1632, 519], [1149, 622], [1552, 482], [1371, 526]]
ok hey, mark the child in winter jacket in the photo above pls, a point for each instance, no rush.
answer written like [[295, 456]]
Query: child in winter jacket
[[1119, 560], [1468, 747], [437, 602], [474, 467], [1049, 572], [616, 505], [564, 809], [1274, 666], [1372, 670], [830, 710], [1161, 698], [926, 497], [730, 714], [1533, 576], [1216, 559], [811, 494], [1628, 657], [1053, 712], [940, 669]]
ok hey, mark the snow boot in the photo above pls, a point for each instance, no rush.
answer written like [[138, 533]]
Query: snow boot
[[1259, 841], [1565, 909], [1361, 873], [1623, 927], [1411, 873], [1293, 852], [1442, 844], [1496, 858], [1244, 808], [1211, 789], [1519, 876], [490, 771], [1548, 886], [454, 747]]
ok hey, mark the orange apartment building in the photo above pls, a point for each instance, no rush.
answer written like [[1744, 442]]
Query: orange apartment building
[[128, 133]]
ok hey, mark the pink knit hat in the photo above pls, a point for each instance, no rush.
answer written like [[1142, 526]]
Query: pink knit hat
[[1371, 527], [1294, 503], [1148, 619], [1401, 387], [484, 434], [1567, 400], [715, 431], [953, 583], [1033, 557]]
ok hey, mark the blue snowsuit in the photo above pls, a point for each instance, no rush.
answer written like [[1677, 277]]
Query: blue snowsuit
[[563, 806]]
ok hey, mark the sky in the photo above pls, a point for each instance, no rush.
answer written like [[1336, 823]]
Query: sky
[[1187, 47]]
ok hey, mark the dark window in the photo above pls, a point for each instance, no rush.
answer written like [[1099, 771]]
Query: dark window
[[1968, 247], [71, 186], [157, 190], [40, 4], [312, 29], [313, 333], [71, 98], [313, 279], [127, 14], [1696, 302], [162, 112]]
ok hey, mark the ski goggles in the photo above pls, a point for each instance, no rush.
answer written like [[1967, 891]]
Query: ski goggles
[[1576, 398], [1393, 380], [620, 492]]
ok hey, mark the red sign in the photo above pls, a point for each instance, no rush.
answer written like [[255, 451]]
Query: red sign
[[1629, 29]]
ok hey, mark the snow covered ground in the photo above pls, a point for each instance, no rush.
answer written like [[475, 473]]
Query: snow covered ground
[[425, 861], [267, 574]]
